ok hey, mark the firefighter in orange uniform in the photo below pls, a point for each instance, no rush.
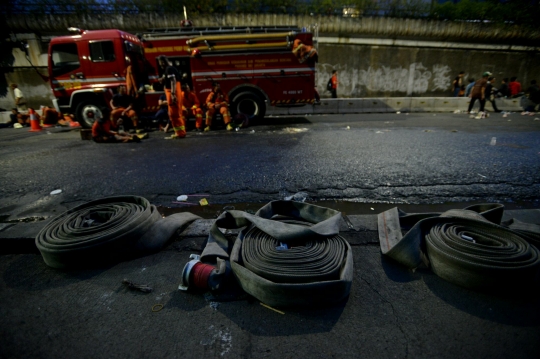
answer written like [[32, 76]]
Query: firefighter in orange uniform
[[217, 100], [304, 52], [122, 108], [192, 107], [171, 80], [50, 116]]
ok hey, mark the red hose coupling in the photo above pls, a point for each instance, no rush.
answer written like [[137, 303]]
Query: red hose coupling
[[196, 274]]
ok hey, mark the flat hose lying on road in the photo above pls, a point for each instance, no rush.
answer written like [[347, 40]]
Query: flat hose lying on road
[[106, 231], [462, 247], [315, 269]]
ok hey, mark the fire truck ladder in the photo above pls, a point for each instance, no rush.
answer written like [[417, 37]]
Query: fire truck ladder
[[241, 42], [202, 31]]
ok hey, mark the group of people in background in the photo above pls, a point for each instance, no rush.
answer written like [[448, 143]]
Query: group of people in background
[[484, 90], [176, 105], [21, 115]]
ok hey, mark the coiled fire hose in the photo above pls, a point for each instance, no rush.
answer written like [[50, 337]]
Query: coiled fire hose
[[466, 247], [288, 254], [106, 231]]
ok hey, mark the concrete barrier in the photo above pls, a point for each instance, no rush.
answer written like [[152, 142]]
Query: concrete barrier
[[509, 104], [4, 116], [393, 104], [351, 105], [421, 104], [377, 105], [449, 104], [301, 110], [399, 104], [327, 106]]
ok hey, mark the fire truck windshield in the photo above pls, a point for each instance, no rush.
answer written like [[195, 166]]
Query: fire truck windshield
[[65, 58], [133, 48]]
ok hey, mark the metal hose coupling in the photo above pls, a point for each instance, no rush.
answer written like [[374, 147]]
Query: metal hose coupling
[[197, 274]]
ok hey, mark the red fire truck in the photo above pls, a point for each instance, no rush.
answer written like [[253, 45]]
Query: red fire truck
[[256, 67]]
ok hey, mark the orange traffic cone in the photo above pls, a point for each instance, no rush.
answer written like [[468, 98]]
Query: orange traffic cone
[[34, 122]]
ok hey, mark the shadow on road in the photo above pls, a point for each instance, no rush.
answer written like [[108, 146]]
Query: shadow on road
[[510, 308]]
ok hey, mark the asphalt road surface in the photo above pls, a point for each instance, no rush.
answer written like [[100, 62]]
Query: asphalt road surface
[[357, 161], [357, 164]]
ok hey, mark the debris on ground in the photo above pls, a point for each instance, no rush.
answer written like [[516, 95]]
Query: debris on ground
[[294, 130], [298, 197], [140, 287]]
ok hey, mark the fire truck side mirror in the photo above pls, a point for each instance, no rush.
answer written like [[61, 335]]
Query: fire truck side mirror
[[23, 46]]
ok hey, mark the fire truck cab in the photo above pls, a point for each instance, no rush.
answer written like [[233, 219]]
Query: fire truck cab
[[256, 67]]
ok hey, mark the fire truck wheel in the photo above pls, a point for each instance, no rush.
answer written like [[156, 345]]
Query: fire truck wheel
[[249, 104], [86, 113]]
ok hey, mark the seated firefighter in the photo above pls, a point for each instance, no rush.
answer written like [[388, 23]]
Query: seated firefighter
[[123, 112], [102, 130], [217, 100], [50, 116], [191, 107]]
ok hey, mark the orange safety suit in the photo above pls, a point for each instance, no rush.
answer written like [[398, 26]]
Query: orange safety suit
[[191, 108], [172, 79], [217, 101], [121, 104], [303, 51], [116, 114], [50, 116]]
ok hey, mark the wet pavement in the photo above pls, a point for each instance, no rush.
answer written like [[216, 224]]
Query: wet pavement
[[391, 312]]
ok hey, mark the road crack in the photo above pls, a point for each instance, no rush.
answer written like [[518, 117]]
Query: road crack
[[394, 313]]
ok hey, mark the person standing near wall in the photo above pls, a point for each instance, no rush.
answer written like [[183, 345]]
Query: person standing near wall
[[469, 87], [171, 79], [20, 101], [490, 93], [458, 83], [479, 92], [335, 83]]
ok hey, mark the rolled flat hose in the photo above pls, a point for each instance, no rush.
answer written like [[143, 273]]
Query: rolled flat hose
[[315, 269], [106, 231], [462, 247]]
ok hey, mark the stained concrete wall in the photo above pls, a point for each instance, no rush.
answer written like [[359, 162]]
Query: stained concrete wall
[[396, 71], [383, 27], [374, 57]]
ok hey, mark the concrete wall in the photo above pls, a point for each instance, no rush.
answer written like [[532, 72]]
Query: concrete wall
[[374, 57], [383, 27], [397, 71]]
